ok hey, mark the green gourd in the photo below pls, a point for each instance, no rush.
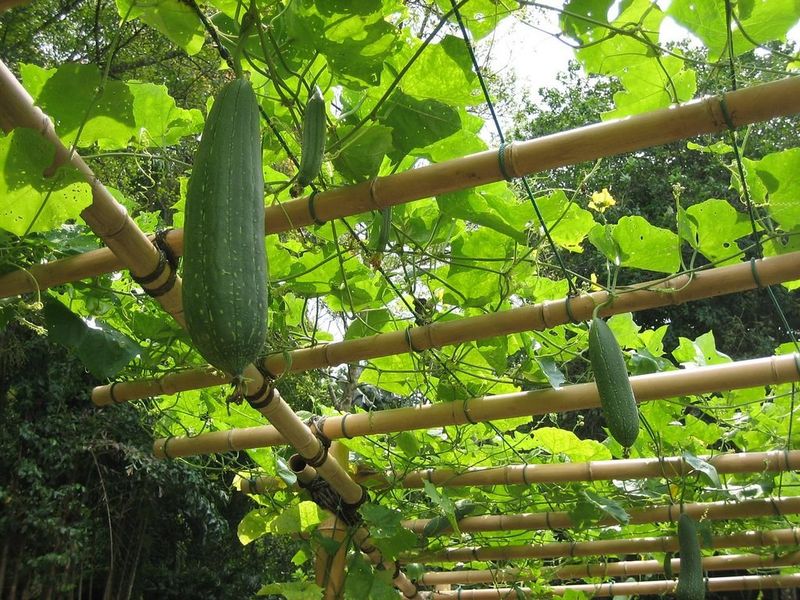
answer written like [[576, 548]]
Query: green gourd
[[616, 396], [312, 147], [224, 262], [691, 585]]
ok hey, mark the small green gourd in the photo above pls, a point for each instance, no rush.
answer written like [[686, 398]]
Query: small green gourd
[[691, 585], [312, 148], [616, 396], [224, 262]]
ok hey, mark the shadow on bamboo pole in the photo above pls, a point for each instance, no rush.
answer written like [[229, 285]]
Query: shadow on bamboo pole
[[701, 116], [626, 588], [714, 511], [624, 568], [774, 539], [670, 291], [599, 470], [110, 221], [702, 380], [329, 569]]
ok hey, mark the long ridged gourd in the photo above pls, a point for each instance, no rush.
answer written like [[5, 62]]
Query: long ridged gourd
[[691, 585], [611, 376], [224, 261]]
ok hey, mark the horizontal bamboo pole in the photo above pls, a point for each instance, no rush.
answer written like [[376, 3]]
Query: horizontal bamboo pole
[[544, 315], [698, 117], [623, 568], [626, 588], [773, 538], [599, 470], [701, 380], [110, 221], [715, 511]]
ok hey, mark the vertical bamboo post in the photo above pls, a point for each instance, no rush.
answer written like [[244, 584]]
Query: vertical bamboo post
[[329, 568]]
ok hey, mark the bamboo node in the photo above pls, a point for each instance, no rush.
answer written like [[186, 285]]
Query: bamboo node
[[467, 415], [342, 427], [503, 160], [410, 341], [263, 396], [568, 309], [164, 447]]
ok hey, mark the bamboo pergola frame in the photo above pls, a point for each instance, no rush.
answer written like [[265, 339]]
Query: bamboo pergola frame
[[623, 568], [741, 374], [668, 291], [774, 538], [632, 468], [110, 221], [714, 511], [626, 588], [702, 116]]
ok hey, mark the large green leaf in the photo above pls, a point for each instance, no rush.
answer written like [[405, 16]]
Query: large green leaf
[[101, 348], [714, 227], [32, 202], [634, 242], [755, 22], [176, 20], [142, 114]]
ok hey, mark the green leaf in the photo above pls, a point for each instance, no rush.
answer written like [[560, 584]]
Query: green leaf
[[759, 22], [295, 590], [550, 369], [640, 244], [607, 506], [444, 72], [30, 200], [493, 206], [417, 122], [562, 442], [254, 525], [101, 348], [300, 517], [701, 352], [363, 154], [707, 470], [127, 112], [714, 226], [777, 172], [579, 17], [567, 222], [176, 20]]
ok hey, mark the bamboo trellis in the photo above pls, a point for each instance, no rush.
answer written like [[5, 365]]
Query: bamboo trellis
[[715, 511], [536, 317], [751, 539], [625, 588], [702, 380], [623, 568], [698, 117], [110, 221], [633, 468]]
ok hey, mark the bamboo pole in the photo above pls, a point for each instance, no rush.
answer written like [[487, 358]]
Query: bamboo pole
[[600, 470], [714, 511], [626, 588], [110, 221], [774, 538], [329, 569], [624, 568], [698, 117], [741, 374], [361, 536], [535, 317]]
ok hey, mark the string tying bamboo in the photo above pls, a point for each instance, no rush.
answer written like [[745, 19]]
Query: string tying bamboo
[[698, 117], [774, 538], [536, 317], [714, 511], [625, 588], [109, 220], [741, 374], [624, 568], [599, 470]]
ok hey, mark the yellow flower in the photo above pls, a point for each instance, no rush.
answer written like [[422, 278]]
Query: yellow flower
[[601, 201]]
